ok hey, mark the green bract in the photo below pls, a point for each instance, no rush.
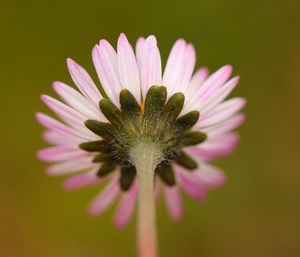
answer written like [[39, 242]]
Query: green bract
[[156, 122]]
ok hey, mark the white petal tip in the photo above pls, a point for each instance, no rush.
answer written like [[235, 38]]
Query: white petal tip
[[56, 85], [140, 40], [152, 38], [39, 117], [228, 69], [103, 42], [204, 71], [70, 61], [180, 41], [45, 98], [95, 48], [190, 47], [236, 79], [71, 65], [122, 36], [243, 102]]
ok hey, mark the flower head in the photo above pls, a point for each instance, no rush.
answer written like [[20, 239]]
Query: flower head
[[180, 116]]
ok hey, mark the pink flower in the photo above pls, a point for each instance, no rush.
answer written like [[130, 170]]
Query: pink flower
[[80, 149]]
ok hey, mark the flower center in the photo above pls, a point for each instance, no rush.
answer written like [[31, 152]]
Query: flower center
[[154, 123]]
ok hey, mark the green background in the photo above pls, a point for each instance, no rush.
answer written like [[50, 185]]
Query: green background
[[256, 214]]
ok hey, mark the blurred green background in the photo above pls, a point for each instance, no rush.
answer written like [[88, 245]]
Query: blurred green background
[[257, 213]]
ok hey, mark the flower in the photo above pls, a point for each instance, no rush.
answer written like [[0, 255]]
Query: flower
[[182, 112]]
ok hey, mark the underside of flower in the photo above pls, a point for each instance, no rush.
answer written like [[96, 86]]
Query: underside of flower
[[137, 132], [148, 124], [153, 123]]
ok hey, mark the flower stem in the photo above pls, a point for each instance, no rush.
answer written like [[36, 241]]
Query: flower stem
[[145, 163]]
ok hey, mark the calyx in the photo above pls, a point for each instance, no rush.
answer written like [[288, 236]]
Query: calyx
[[156, 122]]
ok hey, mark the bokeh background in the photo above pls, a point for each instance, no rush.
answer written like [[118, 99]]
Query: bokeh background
[[256, 214]]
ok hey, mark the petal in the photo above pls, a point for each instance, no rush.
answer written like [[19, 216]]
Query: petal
[[106, 197], [139, 51], [225, 126], [67, 114], [187, 69], [198, 78], [210, 175], [126, 207], [179, 68], [60, 128], [71, 166], [174, 202], [128, 69], [215, 147], [221, 112], [194, 85], [75, 100], [219, 95], [190, 184], [82, 180], [84, 82], [55, 138], [106, 64], [173, 70], [210, 85], [60, 153], [150, 65], [215, 81]]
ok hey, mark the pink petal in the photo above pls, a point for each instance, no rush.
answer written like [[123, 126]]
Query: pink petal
[[126, 207], [106, 64], [67, 114], [106, 197], [210, 175], [194, 85], [187, 69], [75, 100], [139, 51], [221, 112], [60, 128], [84, 82], [209, 86], [174, 67], [215, 81], [82, 180], [198, 78], [71, 166], [60, 153], [150, 65], [219, 95], [225, 126], [128, 68], [214, 147], [190, 184], [174, 202], [55, 138], [179, 68]]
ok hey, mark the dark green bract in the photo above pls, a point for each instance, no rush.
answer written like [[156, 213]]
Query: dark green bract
[[156, 123]]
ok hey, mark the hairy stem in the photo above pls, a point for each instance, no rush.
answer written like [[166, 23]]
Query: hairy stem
[[145, 158]]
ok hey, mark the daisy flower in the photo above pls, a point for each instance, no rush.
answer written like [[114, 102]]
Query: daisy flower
[[142, 131]]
